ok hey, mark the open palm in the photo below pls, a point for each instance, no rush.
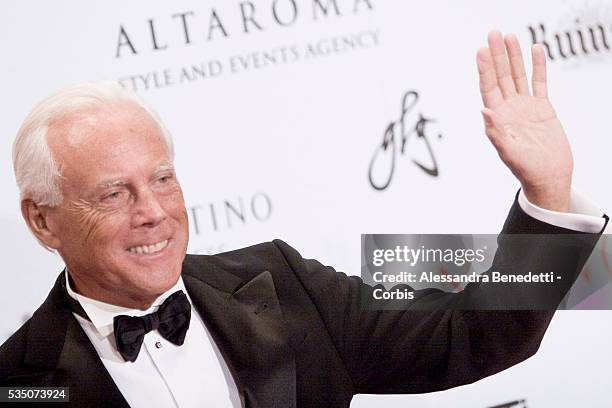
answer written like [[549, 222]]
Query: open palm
[[523, 126]]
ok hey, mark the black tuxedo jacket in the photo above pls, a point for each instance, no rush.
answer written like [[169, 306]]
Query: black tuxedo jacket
[[294, 334]]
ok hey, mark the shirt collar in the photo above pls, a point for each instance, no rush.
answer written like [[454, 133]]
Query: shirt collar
[[102, 314]]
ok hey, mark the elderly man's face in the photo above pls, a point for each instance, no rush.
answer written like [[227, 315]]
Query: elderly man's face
[[122, 227]]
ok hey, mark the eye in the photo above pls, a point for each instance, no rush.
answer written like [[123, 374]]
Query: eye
[[114, 196], [165, 179]]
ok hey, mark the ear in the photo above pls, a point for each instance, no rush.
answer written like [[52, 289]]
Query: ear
[[36, 216]]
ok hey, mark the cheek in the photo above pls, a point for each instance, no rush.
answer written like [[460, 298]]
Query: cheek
[[174, 205], [94, 225]]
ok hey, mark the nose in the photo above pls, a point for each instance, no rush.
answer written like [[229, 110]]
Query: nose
[[148, 211]]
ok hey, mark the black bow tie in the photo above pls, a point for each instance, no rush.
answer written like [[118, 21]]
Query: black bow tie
[[171, 320]]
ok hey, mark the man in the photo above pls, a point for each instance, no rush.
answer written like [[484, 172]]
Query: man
[[260, 326]]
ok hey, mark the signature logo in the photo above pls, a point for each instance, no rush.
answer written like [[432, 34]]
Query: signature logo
[[522, 403], [395, 139]]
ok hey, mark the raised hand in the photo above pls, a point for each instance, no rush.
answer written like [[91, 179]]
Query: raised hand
[[523, 126]]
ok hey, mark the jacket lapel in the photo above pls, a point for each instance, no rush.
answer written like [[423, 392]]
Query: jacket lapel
[[244, 319], [246, 322], [59, 353]]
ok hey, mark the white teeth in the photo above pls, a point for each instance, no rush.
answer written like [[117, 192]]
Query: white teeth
[[149, 249]]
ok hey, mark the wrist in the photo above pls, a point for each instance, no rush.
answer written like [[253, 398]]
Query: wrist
[[553, 198]]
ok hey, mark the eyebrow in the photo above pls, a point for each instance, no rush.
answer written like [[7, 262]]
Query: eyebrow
[[117, 183], [108, 184], [164, 167]]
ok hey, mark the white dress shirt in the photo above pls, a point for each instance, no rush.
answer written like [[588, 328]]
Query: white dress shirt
[[195, 374], [164, 374], [583, 214]]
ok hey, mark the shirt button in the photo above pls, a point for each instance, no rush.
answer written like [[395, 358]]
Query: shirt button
[[158, 345]]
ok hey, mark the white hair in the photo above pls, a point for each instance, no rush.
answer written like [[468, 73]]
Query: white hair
[[37, 173]]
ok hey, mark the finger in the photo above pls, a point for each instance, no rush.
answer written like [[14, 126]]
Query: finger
[[516, 64], [500, 61], [489, 89], [538, 58]]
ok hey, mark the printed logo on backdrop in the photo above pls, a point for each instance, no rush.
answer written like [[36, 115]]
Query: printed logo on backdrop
[[583, 34], [197, 28], [408, 137], [207, 220]]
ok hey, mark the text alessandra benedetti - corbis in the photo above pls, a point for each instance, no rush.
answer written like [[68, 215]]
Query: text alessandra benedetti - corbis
[[495, 277]]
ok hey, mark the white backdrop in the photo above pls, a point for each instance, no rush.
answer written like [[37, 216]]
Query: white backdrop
[[277, 117]]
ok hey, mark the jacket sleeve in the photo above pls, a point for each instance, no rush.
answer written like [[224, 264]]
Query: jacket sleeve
[[417, 351]]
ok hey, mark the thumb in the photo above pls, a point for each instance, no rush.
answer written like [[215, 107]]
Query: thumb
[[494, 129], [493, 125], [490, 117]]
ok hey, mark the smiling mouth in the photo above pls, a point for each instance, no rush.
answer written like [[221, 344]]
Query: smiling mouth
[[149, 249]]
